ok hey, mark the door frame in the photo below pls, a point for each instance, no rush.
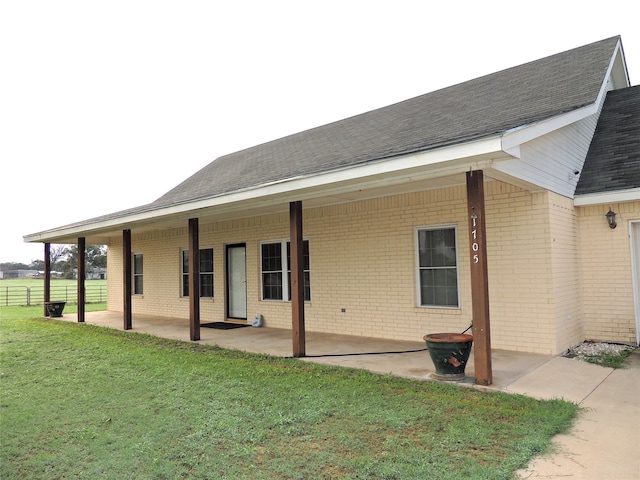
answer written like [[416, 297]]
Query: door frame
[[228, 280]]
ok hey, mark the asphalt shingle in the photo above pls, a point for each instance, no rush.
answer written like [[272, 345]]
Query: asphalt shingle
[[482, 107], [475, 109], [613, 159]]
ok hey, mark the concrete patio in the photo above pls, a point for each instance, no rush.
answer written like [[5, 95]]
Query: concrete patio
[[394, 357]]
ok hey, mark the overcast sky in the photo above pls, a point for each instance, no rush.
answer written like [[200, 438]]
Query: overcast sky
[[108, 105]]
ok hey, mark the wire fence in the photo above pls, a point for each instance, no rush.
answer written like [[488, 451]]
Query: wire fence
[[19, 295]]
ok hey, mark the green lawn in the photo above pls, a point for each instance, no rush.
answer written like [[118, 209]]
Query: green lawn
[[30, 291], [79, 401], [38, 310]]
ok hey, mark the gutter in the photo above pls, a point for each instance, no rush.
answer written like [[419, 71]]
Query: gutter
[[389, 171], [618, 196]]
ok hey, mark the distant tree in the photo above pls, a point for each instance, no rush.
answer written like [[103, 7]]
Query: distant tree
[[70, 261], [57, 254], [64, 258], [37, 265], [13, 266], [97, 256]]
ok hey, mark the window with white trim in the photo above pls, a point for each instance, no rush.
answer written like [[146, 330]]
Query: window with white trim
[[276, 270], [138, 270], [438, 267], [206, 272]]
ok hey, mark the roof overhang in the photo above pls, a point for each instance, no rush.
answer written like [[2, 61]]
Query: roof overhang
[[435, 168], [513, 139], [619, 196], [616, 77], [432, 169]]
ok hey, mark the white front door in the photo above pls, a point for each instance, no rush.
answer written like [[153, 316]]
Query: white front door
[[635, 267], [236, 282]]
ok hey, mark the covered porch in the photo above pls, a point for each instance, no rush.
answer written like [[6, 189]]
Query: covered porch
[[120, 238], [408, 359]]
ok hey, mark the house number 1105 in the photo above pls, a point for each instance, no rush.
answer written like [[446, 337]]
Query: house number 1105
[[474, 234]]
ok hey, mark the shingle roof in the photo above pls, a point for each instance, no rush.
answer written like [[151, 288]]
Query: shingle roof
[[479, 108], [613, 159], [475, 109]]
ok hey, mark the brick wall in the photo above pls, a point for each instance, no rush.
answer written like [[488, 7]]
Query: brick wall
[[520, 269], [565, 260], [363, 268], [605, 258]]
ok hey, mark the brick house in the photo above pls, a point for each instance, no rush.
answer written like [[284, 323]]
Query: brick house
[[363, 226]]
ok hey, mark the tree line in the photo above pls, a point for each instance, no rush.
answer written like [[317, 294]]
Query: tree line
[[64, 259]]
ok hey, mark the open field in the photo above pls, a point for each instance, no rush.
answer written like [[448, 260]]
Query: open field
[[37, 311], [84, 401], [30, 291]]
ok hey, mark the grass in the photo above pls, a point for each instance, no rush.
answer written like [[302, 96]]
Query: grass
[[611, 360], [80, 401], [36, 311], [23, 291], [35, 282]]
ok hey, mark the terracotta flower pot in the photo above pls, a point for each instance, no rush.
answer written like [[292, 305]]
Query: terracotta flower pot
[[449, 353]]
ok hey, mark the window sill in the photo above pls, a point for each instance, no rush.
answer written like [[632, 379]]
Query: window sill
[[436, 307], [268, 300]]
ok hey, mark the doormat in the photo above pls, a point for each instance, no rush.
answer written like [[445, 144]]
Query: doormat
[[224, 325]]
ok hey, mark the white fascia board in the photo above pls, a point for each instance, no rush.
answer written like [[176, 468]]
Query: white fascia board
[[619, 76], [289, 187], [512, 139], [618, 196]]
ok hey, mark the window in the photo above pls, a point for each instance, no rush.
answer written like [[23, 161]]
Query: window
[[438, 267], [138, 265], [276, 271], [206, 272], [272, 271]]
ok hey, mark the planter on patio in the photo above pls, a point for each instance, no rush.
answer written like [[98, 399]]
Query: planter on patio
[[449, 353], [54, 309]]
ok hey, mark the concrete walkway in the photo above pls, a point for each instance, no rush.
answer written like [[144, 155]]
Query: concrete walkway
[[605, 441], [603, 444]]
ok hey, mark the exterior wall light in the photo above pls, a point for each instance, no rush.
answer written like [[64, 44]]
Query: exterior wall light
[[611, 218]]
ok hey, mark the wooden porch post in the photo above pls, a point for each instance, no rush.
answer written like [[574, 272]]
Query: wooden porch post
[[479, 278], [126, 278], [81, 277], [297, 279], [47, 276], [194, 280]]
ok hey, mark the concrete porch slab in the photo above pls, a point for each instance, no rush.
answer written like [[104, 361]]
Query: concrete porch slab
[[401, 358]]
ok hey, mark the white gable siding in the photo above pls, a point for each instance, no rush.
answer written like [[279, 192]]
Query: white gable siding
[[551, 160]]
